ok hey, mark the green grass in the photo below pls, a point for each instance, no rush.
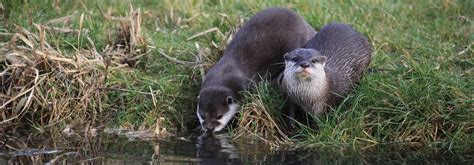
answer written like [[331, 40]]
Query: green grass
[[419, 91]]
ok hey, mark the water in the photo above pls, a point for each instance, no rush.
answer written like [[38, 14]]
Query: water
[[205, 149]]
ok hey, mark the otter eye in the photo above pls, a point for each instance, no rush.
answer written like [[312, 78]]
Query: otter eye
[[218, 117], [229, 100], [315, 60], [294, 59]]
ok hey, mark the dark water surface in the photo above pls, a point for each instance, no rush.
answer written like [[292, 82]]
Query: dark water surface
[[218, 149]]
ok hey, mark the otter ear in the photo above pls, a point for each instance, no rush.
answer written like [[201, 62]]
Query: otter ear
[[286, 56], [323, 59], [230, 100]]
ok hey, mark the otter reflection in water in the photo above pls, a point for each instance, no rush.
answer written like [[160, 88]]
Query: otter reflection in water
[[216, 149]]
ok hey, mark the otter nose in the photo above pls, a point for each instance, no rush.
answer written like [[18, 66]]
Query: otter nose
[[209, 126], [304, 64]]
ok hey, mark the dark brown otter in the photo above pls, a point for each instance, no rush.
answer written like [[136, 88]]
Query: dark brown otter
[[255, 51], [327, 69]]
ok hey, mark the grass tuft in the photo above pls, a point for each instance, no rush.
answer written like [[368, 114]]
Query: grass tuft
[[260, 116]]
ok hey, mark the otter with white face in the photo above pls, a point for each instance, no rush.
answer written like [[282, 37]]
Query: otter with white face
[[220, 104], [254, 52], [304, 79], [326, 70]]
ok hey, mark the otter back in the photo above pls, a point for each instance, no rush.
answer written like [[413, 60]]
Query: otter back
[[348, 54]]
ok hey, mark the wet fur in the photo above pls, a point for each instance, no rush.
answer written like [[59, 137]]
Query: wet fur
[[347, 52], [253, 52]]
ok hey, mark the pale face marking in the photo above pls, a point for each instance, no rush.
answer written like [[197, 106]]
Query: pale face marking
[[233, 109]]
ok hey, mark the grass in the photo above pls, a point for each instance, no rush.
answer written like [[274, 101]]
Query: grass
[[418, 91]]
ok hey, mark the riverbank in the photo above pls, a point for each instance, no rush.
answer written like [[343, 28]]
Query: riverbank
[[88, 65]]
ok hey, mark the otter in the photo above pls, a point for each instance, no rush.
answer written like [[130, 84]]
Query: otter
[[256, 51], [323, 72]]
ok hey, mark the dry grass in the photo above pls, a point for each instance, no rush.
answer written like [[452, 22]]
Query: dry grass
[[260, 118], [256, 121], [42, 86], [129, 46]]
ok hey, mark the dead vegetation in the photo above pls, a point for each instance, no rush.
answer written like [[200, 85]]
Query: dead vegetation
[[257, 120], [129, 46], [43, 86], [260, 117]]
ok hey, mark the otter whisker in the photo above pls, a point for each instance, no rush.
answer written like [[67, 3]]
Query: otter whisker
[[326, 67], [279, 63]]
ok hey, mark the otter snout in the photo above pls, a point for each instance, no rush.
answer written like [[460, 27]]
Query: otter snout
[[304, 64], [210, 126]]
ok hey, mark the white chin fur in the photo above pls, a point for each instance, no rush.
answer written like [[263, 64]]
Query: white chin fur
[[233, 109]]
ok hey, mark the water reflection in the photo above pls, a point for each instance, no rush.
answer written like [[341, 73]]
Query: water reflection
[[203, 149], [216, 149]]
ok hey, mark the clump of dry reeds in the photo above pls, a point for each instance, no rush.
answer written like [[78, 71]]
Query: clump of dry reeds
[[129, 47], [259, 117], [41, 86]]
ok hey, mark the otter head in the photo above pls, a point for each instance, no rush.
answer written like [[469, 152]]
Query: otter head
[[216, 107], [304, 64]]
